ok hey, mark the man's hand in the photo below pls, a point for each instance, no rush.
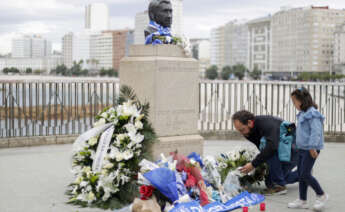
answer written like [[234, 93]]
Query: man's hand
[[247, 168], [313, 153]]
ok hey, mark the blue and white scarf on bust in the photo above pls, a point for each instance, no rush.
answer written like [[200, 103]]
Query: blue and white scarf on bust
[[161, 31]]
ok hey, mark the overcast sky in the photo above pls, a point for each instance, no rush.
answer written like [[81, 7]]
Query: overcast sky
[[54, 18]]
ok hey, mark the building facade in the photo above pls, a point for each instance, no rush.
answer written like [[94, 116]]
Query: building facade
[[236, 43], [302, 39], [101, 51], [67, 49], [121, 40], [97, 17], [259, 43], [141, 22], [201, 52], [339, 49], [31, 47], [218, 46]]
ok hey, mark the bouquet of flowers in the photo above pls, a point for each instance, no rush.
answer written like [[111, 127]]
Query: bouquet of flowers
[[238, 157], [179, 183], [106, 158]]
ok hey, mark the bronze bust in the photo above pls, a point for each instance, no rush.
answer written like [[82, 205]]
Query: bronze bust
[[160, 14]]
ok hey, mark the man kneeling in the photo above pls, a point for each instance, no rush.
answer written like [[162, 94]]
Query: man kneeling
[[266, 132]]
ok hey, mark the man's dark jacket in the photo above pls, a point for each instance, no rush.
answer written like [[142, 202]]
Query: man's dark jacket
[[268, 127]]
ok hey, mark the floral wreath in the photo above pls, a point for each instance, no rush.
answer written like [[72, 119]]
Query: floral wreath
[[106, 158]]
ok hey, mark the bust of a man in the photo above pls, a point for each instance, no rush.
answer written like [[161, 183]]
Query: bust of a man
[[160, 13]]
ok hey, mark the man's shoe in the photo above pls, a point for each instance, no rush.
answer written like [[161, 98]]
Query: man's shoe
[[275, 190], [320, 202], [301, 204]]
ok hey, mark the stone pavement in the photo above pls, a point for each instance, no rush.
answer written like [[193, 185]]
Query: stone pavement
[[34, 179]]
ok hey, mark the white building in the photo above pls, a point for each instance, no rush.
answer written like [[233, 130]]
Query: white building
[[101, 50], [201, 52], [31, 47], [236, 43], [259, 43], [177, 23], [339, 49], [97, 17], [302, 39], [217, 46], [45, 64], [142, 20], [67, 49], [81, 47]]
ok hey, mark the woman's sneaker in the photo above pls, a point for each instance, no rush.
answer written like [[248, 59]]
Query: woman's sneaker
[[298, 204], [320, 202]]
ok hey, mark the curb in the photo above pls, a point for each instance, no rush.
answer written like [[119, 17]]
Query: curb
[[36, 141], [234, 135], [69, 139]]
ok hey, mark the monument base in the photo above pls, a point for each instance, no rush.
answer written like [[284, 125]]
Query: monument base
[[184, 144]]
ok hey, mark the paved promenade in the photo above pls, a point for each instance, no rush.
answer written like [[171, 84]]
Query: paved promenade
[[34, 179]]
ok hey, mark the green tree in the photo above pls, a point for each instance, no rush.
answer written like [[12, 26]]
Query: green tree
[[212, 72], [38, 71], [112, 72], [226, 71], [28, 71], [256, 73], [14, 70], [239, 71], [76, 69], [6, 70], [60, 70], [103, 72]]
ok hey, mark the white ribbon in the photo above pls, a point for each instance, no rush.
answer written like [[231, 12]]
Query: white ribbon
[[102, 148], [89, 134]]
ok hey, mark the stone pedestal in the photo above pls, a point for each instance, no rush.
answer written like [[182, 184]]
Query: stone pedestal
[[169, 80]]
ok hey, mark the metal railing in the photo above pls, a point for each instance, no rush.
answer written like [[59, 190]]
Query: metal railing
[[53, 107], [68, 106], [220, 99]]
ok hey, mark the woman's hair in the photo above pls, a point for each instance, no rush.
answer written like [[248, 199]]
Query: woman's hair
[[303, 96]]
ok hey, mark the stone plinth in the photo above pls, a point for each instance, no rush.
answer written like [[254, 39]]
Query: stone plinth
[[169, 81]]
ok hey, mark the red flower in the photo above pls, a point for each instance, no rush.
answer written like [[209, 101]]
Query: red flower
[[146, 192]]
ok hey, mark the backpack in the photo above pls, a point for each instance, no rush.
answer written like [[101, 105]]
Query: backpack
[[287, 142]]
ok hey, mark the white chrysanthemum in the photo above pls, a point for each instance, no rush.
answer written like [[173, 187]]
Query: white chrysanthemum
[[108, 165], [139, 125], [138, 138], [130, 128], [91, 197], [78, 180], [86, 169], [106, 195], [113, 152], [127, 109], [119, 156], [83, 184], [100, 122], [82, 197], [128, 154], [104, 115], [77, 147], [92, 141], [140, 117], [76, 169], [93, 154], [111, 110]]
